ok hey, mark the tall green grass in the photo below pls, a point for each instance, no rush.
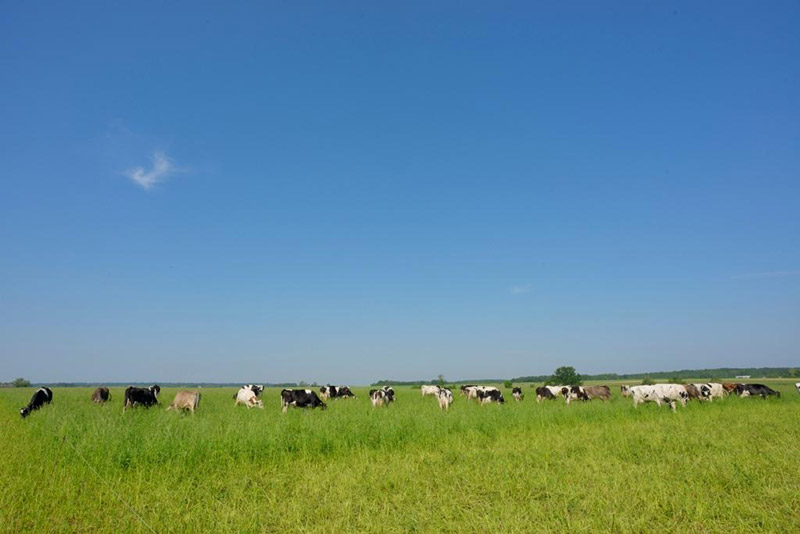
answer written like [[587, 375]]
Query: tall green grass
[[731, 465]]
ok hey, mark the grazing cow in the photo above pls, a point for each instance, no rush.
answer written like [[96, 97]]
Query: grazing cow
[[729, 387], [574, 392], [544, 393], [465, 388], [474, 392], [717, 391], [445, 397], [755, 390], [343, 392], [257, 389], [429, 390], [471, 392], [487, 395], [248, 395], [40, 397], [101, 395], [389, 393], [698, 391], [325, 392], [300, 398], [667, 393], [597, 392], [336, 392], [185, 400], [558, 390], [141, 396], [517, 394], [379, 397]]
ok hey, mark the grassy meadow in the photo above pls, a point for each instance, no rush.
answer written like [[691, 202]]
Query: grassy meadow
[[728, 466]]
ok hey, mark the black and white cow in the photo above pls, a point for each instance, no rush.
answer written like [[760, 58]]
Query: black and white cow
[[755, 390], [389, 393], [487, 395], [300, 398], [465, 389], [797, 385], [141, 396], [544, 393], [40, 397], [379, 397], [517, 394], [445, 397], [249, 395], [336, 392], [575, 392]]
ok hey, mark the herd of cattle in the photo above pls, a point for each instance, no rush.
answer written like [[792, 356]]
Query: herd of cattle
[[250, 395]]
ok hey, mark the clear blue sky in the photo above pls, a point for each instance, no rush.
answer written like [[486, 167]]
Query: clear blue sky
[[344, 192]]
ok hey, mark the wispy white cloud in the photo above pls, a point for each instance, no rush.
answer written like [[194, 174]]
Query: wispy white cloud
[[519, 290], [162, 168], [768, 274]]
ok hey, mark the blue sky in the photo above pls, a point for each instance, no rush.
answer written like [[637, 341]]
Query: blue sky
[[344, 192]]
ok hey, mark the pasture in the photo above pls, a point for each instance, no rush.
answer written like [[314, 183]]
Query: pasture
[[727, 466]]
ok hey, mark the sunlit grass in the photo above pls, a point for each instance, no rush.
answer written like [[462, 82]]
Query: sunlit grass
[[726, 466]]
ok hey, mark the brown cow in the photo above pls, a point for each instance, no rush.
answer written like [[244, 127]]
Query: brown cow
[[693, 392], [101, 395], [729, 386], [597, 392], [185, 400]]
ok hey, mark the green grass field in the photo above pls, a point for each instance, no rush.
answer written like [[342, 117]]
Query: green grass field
[[729, 466]]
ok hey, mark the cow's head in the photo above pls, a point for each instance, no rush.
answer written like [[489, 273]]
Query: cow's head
[[24, 412], [155, 389]]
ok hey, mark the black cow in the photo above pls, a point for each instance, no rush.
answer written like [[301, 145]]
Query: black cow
[[544, 393], [101, 395], [517, 394], [486, 396], [40, 397], [300, 398], [141, 396], [755, 390]]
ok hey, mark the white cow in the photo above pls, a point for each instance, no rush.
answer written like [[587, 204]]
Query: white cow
[[445, 397], [247, 395], [658, 393], [717, 391], [429, 390], [797, 385]]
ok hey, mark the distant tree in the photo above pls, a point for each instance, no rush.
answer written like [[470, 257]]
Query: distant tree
[[793, 372], [21, 383], [314, 384], [302, 383], [647, 381], [508, 384], [440, 380], [566, 375]]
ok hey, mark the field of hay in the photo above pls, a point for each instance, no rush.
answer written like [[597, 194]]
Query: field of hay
[[727, 466]]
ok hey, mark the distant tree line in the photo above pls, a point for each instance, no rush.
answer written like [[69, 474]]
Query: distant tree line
[[568, 375], [719, 372]]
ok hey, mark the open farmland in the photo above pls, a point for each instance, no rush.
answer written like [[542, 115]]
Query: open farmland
[[727, 466]]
